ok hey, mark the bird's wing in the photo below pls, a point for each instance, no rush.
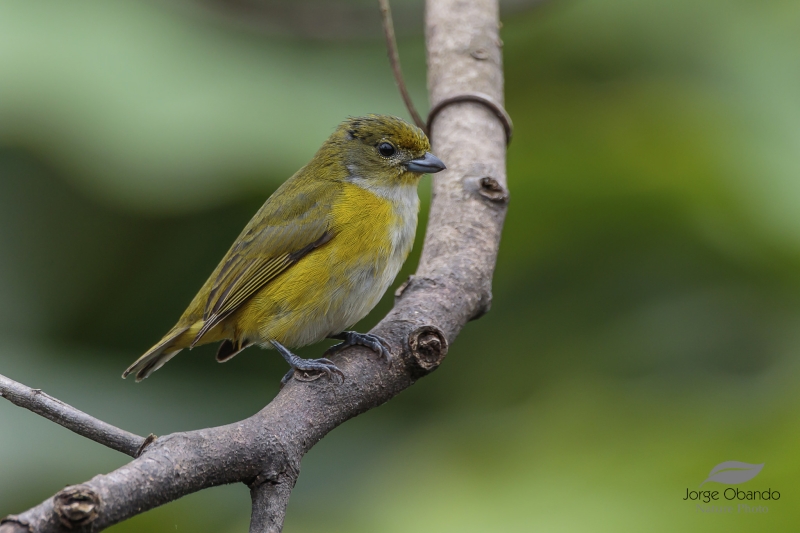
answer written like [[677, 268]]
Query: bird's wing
[[290, 225]]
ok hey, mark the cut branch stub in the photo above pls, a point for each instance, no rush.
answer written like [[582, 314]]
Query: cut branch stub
[[403, 286], [76, 506], [10, 524], [428, 346]]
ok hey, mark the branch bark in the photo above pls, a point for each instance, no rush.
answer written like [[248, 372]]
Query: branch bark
[[74, 420], [452, 286]]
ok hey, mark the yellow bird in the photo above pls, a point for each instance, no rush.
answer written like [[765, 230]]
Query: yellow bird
[[317, 256]]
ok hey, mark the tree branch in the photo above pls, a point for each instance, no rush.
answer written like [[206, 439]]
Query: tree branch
[[451, 287], [74, 420], [269, 503]]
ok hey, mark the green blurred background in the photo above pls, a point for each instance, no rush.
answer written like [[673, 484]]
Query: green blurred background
[[646, 299]]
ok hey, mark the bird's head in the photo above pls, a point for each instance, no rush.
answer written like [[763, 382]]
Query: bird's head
[[384, 151]]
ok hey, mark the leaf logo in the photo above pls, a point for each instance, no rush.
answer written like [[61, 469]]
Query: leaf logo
[[733, 472]]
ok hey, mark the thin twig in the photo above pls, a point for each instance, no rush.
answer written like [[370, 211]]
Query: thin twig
[[394, 59], [74, 420]]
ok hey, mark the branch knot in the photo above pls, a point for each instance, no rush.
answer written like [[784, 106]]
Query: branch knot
[[492, 190], [76, 506]]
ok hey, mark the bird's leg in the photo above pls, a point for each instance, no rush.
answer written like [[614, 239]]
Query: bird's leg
[[306, 365], [352, 338]]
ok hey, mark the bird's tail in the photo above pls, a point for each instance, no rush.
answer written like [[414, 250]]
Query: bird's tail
[[167, 348]]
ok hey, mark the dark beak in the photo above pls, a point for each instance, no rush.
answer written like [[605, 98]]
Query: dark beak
[[430, 164]]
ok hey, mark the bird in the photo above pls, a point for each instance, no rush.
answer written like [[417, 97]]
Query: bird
[[317, 256]]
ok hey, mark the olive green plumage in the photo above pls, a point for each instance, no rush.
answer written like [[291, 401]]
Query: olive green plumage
[[318, 255]]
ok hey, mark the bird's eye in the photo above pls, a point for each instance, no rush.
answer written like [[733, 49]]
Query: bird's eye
[[386, 149]]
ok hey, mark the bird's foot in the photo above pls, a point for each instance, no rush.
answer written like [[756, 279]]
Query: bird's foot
[[351, 338], [306, 369]]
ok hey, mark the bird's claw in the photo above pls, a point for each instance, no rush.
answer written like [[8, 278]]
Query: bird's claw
[[376, 343], [313, 369], [307, 369]]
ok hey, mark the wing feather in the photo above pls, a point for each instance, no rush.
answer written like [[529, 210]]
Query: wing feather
[[283, 232]]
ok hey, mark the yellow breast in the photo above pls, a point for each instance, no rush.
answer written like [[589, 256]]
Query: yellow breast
[[335, 286]]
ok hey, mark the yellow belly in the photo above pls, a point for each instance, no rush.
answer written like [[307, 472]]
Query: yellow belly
[[336, 285]]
